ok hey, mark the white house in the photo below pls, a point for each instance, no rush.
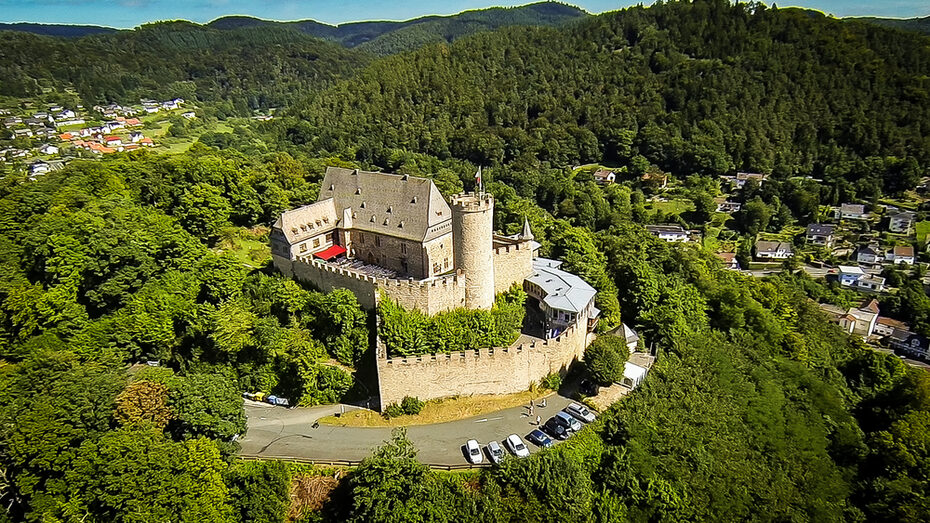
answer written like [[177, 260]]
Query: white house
[[901, 255], [190, 115], [901, 222], [850, 211], [766, 250], [886, 326], [729, 207], [604, 177], [633, 375], [669, 233], [868, 254], [48, 149], [820, 234], [856, 278]]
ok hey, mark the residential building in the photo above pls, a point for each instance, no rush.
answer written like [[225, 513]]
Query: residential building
[[901, 222], [655, 179], [862, 320], [851, 211], [870, 254], [48, 149], [729, 207], [729, 260], [740, 179], [910, 343], [820, 234], [858, 279], [767, 250], [669, 233], [563, 297], [886, 326], [604, 177], [901, 255]]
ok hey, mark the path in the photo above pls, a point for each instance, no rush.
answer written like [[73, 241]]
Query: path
[[276, 432]]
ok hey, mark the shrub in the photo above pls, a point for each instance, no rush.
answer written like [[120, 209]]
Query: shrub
[[552, 381], [604, 359], [411, 405], [393, 410]]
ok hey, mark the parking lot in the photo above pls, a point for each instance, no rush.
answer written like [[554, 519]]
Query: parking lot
[[289, 433]]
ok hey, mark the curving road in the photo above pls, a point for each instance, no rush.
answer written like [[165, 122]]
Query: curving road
[[276, 432]]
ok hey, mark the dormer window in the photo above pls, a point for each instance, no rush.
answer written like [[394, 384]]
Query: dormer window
[[358, 190], [390, 209], [362, 205], [294, 230], [438, 213], [400, 225], [332, 187], [414, 200], [325, 220], [303, 228], [387, 222], [318, 223], [372, 219]]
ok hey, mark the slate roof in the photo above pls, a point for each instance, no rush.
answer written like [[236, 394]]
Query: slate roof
[[767, 246], [307, 221], [563, 290], [674, 229], [407, 207], [820, 229]]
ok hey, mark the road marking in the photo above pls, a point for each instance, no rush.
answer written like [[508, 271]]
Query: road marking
[[482, 420]]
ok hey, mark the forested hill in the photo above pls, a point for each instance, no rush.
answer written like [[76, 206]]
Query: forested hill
[[65, 30], [386, 37], [239, 70], [705, 87], [920, 25]]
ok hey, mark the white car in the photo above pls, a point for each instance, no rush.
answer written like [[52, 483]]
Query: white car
[[474, 451], [581, 412], [516, 445], [495, 452]]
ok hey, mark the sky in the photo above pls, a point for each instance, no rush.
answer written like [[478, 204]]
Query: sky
[[131, 13]]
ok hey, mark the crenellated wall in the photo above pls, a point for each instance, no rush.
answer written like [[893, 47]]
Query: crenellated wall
[[486, 371], [431, 296], [512, 264]]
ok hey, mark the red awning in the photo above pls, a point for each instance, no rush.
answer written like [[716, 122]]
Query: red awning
[[330, 253]]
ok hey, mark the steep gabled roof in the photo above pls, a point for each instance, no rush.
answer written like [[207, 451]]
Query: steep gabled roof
[[397, 205], [307, 221]]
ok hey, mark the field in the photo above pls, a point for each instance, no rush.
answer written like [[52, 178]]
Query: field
[[249, 246], [922, 228]]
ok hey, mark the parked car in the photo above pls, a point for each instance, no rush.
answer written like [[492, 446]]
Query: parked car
[[495, 452], [516, 445], [539, 438], [554, 429], [474, 451], [588, 388], [566, 420], [581, 412]]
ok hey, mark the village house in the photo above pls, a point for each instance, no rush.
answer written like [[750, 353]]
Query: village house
[[886, 326], [901, 222], [190, 115], [630, 336], [135, 136], [901, 255], [111, 141], [856, 278], [563, 297], [869, 254], [766, 250], [820, 234], [860, 320], [669, 233], [729, 207], [604, 177], [655, 179], [48, 149], [851, 211], [729, 260], [910, 343], [740, 179]]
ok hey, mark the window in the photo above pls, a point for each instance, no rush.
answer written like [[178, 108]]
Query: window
[[437, 267], [303, 247], [403, 264], [316, 243], [445, 263], [361, 238], [377, 241], [403, 249]]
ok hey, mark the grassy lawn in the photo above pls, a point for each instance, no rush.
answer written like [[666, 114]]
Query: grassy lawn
[[671, 206], [922, 228], [249, 246], [438, 411], [909, 205]]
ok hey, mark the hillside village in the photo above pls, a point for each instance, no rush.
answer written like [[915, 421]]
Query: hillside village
[[44, 137], [858, 247]]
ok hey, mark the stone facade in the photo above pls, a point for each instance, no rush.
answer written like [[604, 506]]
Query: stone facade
[[486, 371], [513, 262]]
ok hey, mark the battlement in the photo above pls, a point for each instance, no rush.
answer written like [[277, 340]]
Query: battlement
[[512, 247], [436, 281], [471, 202]]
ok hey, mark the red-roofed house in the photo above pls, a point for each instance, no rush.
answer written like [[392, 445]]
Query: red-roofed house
[[147, 142], [113, 140], [133, 122], [65, 136]]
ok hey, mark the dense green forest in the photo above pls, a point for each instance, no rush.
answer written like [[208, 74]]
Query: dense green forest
[[757, 408]]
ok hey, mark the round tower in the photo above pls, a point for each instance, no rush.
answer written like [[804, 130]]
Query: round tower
[[473, 250]]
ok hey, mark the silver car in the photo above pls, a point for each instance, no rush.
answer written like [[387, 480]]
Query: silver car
[[581, 412], [495, 452]]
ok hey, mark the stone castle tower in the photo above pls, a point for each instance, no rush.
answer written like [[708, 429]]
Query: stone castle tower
[[472, 232]]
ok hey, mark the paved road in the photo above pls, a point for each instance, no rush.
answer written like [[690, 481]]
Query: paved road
[[288, 433]]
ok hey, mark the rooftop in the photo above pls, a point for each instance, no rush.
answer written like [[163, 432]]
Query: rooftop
[[563, 291], [849, 269], [820, 229]]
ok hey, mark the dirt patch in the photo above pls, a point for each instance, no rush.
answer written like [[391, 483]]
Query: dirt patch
[[310, 493], [607, 396]]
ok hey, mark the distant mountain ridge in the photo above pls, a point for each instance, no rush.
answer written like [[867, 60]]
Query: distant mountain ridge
[[388, 37], [920, 25], [60, 30]]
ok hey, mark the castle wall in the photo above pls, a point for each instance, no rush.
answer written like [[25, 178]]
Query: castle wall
[[430, 296], [485, 371], [512, 264]]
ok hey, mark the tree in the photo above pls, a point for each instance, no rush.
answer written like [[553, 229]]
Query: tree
[[605, 358], [143, 402], [206, 405], [259, 491]]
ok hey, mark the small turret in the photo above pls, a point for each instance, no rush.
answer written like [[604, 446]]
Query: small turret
[[526, 234]]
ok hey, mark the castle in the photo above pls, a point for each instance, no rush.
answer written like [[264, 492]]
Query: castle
[[373, 232]]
